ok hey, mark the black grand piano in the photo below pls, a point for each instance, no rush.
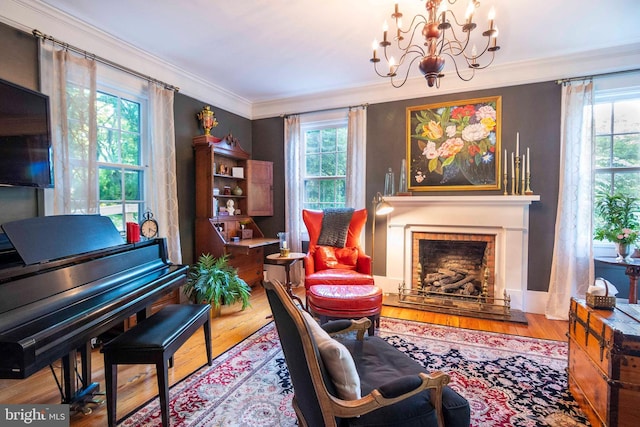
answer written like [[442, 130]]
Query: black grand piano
[[65, 280]]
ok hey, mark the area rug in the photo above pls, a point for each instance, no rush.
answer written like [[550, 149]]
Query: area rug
[[508, 380]]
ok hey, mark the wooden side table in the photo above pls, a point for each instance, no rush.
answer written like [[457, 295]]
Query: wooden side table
[[632, 270], [286, 262]]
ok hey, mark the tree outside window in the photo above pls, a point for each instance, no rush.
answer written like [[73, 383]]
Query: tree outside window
[[325, 167]]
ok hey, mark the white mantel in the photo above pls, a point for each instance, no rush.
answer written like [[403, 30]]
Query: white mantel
[[506, 217]]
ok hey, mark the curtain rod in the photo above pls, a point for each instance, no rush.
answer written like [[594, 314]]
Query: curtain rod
[[324, 110], [36, 33], [613, 73]]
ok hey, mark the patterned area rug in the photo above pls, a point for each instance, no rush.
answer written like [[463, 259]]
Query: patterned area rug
[[508, 380]]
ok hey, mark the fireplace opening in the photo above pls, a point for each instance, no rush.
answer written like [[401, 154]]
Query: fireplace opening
[[452, 267]]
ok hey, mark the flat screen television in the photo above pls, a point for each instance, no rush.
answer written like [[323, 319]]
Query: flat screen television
[[25, 137]]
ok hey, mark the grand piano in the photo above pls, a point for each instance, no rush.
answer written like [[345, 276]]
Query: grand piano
[[65, 280]]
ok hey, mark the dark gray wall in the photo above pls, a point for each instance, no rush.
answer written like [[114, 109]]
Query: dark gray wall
[[18, 64], [533, 110], [268, 144], [187, 126]]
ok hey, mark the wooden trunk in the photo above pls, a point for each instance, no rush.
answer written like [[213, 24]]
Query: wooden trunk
[[604, 362]]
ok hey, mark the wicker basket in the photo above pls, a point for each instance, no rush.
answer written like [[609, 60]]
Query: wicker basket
[[601, 301]]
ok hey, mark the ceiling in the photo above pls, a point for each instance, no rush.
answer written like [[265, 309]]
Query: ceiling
[[263, 51]]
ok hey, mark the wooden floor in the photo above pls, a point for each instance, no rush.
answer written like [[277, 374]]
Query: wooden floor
[[137, 383]]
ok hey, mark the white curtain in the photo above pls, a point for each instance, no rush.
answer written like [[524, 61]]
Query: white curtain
[[356, 158], [162, 190], [74, 138], [293, 190], [572, 269]]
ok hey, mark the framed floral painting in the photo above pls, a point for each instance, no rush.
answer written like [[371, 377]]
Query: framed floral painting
[[454, 145]]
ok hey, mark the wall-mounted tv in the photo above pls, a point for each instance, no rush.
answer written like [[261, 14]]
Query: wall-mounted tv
[[25, 137]]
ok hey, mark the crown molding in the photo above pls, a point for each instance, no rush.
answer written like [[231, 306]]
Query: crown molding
[[27, 15], [591, 63]]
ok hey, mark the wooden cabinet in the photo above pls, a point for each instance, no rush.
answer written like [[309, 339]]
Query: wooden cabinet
[[224, 228], [604, 362], [260, 187]]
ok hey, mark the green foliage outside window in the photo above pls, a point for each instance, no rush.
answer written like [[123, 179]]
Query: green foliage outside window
[[325, 168], [617, 153]]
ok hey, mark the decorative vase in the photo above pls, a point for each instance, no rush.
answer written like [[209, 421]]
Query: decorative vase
[[478, 173], [237, 191], [207, 119], [623, 251]]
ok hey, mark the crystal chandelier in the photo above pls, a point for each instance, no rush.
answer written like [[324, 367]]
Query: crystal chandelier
[[431, 38]]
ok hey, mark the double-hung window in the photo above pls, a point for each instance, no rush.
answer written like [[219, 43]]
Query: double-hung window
[[121, 155], [617, 142], [324, 164]]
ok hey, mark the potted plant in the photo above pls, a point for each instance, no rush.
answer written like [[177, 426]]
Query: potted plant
[[617, 221], [213, 281]]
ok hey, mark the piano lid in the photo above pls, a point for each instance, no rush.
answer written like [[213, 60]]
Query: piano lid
[[47, 238]]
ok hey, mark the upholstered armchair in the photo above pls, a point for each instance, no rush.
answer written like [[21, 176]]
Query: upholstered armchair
[[327, 265], [357, 380], [338, 278]]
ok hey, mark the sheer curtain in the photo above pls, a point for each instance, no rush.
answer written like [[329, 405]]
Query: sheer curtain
[[162, 190], [356, 158], [293, 190], [74, 139], [572, 267]]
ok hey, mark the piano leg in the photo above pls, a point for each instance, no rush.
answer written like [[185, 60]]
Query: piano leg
[[78, 399]]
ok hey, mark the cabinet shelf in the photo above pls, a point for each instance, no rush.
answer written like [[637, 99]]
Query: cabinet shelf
[[235, 178], [215, 233]]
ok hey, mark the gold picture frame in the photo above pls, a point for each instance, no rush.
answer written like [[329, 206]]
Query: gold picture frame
[[455, 145]]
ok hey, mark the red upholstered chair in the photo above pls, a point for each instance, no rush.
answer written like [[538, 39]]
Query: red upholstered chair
[[338, 281]]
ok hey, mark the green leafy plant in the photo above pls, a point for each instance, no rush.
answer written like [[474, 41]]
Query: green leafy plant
[[618, 218], [213, 281]]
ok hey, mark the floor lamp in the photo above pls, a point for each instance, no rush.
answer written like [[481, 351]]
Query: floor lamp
[[380, 207]]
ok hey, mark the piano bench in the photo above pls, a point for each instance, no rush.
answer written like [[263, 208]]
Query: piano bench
[[154, 341]]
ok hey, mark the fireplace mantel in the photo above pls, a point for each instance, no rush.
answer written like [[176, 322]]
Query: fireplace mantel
[[506, 217], [493, 200]]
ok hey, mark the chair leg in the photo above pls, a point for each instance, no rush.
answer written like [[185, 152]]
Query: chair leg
[[207, 340], [162, 372], [111, 383]]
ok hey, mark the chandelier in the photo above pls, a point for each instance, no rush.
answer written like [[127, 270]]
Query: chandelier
[[431, 38]]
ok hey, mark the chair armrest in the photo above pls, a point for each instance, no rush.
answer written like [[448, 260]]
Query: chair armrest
[[343, 326], [376, 399], [364, 263], [309, 264]]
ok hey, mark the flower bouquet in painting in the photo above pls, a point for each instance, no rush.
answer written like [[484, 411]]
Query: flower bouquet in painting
[[454, 145]]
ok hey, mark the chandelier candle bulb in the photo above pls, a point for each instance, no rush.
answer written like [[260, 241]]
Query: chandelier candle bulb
[[492, 17]]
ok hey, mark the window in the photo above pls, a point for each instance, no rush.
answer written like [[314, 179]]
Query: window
[[617, 146], [120, 157], [324, 164]]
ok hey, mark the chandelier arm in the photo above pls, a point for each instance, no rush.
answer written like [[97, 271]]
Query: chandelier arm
[[459, 41], [408, 53], [455, 65], [412, 29], [406, 75]]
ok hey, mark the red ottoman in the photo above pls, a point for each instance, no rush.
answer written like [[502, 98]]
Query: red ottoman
[[329, 302]]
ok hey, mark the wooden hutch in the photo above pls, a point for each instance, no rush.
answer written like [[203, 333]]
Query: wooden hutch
[[223, 173]]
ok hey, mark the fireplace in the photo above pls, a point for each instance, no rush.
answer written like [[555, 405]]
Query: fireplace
[[453, 264], [499, 223]]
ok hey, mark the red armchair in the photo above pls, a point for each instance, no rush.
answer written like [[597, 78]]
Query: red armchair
[[350, 265], [338, 281]]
